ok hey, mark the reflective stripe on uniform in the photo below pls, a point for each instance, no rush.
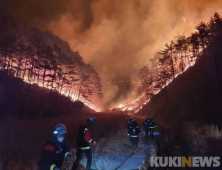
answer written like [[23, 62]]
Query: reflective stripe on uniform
[[83, 148], [134, 136], [90, 141], [67, 153], [52, 166], [85, 130]]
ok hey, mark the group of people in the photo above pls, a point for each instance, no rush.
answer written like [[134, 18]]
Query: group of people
[[55, 151], [149, 126]]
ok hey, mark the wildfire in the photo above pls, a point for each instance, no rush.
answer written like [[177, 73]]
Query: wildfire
[[73, 96], [137, 104]]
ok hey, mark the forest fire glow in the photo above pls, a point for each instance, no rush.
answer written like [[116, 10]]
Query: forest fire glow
[[137, 104], [43, 59], [73, 96]]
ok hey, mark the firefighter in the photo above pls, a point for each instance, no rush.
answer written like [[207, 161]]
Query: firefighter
[[152, 126], [84, 142], [134, 135], [146, 125], [129, 124], [55, 151]]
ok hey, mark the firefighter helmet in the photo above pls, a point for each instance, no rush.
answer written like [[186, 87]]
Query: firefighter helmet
[[59, 130], [91, 120], [132, 118]]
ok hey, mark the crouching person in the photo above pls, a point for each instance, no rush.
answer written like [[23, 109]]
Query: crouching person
[[84, 142], [134, 135], [55, 151]]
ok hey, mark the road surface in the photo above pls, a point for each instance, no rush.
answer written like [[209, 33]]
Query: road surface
[[125, 158]]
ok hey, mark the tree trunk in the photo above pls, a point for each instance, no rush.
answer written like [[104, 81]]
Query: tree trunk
[[54, 78], [44, 77], [23, 77], [38, 75], [79, 91], [31, 65], [173, 69], [70, 89], [9, 60], [5, 62], [62, 85], [18, 68]]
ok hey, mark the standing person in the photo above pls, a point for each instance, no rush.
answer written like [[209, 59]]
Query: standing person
[[83, 143], [129, 124], [134, 134], [146, 125], [55, 151], [152, 126]]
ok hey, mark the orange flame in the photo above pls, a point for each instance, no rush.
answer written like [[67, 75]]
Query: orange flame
[[136, 105]]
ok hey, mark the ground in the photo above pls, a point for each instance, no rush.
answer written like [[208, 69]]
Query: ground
[[118, 154], [23, 139]]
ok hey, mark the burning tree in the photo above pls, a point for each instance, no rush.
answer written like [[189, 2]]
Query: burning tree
[[146, 80], [203, 34], [178, 55], [44, 59], [168, 60], [181, 49]]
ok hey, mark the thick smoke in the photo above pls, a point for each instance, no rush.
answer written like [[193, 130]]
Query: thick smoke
[[117, 37]]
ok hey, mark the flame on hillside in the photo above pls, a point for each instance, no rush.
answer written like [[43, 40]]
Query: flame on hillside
[[65, 92], [69, 90], [137, 104]]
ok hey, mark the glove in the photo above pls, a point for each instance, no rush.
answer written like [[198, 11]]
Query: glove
[[56, 168], [68, 158]]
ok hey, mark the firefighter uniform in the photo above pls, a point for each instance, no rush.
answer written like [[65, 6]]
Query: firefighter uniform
[[54, 153], [134, 135], [130, 124], [152, 126], [146, 124], [83, 142]]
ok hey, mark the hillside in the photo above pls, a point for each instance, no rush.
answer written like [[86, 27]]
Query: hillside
[[42, 58], [193, 96], [22, 100]]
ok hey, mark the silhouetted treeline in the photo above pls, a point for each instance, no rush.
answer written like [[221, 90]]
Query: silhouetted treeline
[[178, 55], [40, 57], [23, 100]]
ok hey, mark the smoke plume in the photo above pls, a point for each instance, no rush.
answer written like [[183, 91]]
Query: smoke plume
[[117, 37]]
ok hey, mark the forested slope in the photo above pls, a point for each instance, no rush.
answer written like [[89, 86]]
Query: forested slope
[[197, 93]]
